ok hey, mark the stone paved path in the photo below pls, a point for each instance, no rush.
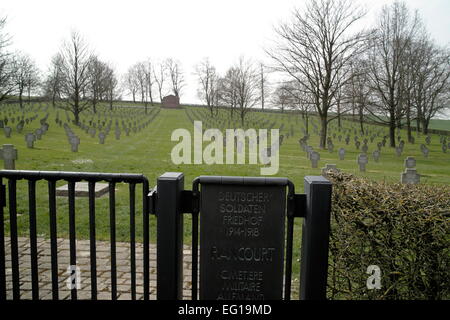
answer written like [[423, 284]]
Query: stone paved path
[[83, 262]]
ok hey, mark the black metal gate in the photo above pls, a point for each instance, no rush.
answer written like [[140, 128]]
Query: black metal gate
[[52, 177], [168, 201]]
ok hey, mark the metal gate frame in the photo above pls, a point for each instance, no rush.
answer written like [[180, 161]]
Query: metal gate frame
[[169, 202]]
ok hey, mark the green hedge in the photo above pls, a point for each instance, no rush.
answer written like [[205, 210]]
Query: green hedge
[[403, 229]]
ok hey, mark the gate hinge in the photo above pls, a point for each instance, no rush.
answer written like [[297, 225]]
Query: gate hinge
[[189, 201], [152, 199], [297, 206]]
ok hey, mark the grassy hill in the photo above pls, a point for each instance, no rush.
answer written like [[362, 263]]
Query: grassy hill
[[149, 152]]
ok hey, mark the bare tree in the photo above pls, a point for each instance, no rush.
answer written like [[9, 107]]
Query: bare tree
[[140, 74], [52, 83], [25, 75], [159, 74], [263, 86], [130, 82], [149, 80], [7, 83], [227, 90], [282, 96], [315, 49], [357, 91], [176, 76], [301, 100], [111, 85], [430, 81], [208, 81], [395, 30], [75, 60], [97, 80], [246, 84]]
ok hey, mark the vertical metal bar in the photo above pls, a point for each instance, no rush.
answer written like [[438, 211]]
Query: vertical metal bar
[[194, 245], [2, 243], [194, 255], [146, 238], [315, 239], [170, 236], [53, 235], [72, 236], [13, 233], [132, 187], [112, 227], [288, 273], [33, 240], [92, 240]]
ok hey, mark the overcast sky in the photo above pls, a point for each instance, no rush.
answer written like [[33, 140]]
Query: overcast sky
[[124, 32]]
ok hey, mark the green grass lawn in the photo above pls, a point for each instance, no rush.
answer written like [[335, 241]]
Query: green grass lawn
[[148, 152]]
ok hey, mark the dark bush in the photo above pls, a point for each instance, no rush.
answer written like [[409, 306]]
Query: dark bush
[[403, 229]]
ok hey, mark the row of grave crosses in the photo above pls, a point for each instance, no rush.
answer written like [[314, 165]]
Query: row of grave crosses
[[410, 176]]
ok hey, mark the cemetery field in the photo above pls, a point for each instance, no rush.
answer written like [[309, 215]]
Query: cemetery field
[[148, 151]]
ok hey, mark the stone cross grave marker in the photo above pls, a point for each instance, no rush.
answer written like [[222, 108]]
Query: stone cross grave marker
[[314, 157], [379, 145], [330, 147], [376, 155], [341, 153], [91, 132], [410, 176], [19, 126], [74, 142], [101, 137], [365, 148], [38, 133], [7, 131], [329, 167], [9, 155], [362, 161], [309, 150], [428, 140], [410, 162], [30, 138], [424, 150]]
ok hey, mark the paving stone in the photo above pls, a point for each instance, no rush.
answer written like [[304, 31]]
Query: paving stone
[[84, 263]]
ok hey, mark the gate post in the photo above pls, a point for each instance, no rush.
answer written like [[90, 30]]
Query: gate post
[[315, 239], [169, 236]]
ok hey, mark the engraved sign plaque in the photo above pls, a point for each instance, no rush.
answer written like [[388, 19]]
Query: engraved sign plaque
[[242, 241]]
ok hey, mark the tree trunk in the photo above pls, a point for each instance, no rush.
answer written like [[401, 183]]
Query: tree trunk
[[76, 114], [361, 119], [339, 115], [408, 122], [392, 130], [323, 131], [20, 98], [425, 123], [418, 124], [306, 123]]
